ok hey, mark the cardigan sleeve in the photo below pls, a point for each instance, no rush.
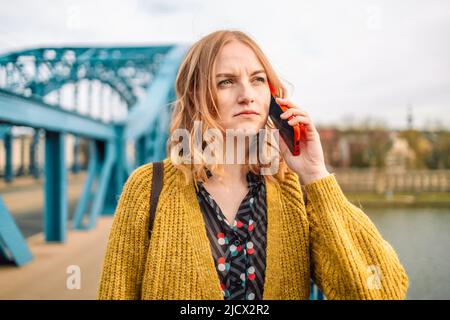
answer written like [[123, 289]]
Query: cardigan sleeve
[[125, 257], [349, 257]]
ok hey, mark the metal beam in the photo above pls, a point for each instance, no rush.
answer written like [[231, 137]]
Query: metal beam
[[33, 113], [83, 202], [55, 214], [9, 170], [13, 246], [109, 151], [148, 109]]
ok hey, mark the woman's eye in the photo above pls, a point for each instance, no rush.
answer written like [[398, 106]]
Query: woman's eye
[[223, 82], [230, 81]]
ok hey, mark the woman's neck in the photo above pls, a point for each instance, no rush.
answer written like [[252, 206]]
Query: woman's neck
[[234, 175]]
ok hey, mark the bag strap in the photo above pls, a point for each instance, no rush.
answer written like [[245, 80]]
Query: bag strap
[[157, 183]]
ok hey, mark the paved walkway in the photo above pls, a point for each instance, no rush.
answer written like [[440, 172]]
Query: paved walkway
[[46, 276], [24, 198]]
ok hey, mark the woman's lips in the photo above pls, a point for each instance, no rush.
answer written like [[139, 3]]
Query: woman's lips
[[247, 113]]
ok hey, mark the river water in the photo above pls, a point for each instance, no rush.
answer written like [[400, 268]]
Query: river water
[[421, 238]]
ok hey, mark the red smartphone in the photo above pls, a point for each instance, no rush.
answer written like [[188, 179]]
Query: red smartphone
[[290, 134]]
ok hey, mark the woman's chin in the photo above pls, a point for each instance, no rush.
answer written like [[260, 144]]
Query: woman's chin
[[247, 129], [248, 126]]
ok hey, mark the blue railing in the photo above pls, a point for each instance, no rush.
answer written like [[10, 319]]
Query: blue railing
[[136, 82]]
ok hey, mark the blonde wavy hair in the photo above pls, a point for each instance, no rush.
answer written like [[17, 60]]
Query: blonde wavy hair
[[196, 101]]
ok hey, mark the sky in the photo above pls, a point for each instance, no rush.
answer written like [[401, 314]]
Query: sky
[[345, 62]]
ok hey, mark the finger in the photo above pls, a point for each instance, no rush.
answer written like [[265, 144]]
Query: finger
[[306, 121], [299, 119], [287, 103], [292, 112]]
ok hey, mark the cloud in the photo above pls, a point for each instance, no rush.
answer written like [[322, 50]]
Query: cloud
[[364, 58]]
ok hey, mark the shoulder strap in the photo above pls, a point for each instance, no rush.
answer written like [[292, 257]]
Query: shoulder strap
[[157, 183]]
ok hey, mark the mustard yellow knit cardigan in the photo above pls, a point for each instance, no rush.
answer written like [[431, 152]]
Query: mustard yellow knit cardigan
[[331, 241]]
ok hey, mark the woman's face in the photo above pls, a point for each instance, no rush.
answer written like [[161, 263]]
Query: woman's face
[[243, 94]]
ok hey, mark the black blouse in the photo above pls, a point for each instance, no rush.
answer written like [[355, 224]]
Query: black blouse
[[239, 249]]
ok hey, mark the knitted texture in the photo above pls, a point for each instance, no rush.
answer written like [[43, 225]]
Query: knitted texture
[[331, 241]]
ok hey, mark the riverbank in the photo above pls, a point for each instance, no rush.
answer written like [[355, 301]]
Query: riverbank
[[401, 200]]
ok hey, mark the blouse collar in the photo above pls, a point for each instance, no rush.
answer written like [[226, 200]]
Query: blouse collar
[[254, 181]]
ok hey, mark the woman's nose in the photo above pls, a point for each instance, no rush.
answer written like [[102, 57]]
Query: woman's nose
[[246, 95], [246, 100]]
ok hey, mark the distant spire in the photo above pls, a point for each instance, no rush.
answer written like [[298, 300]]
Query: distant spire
[[409, 117]]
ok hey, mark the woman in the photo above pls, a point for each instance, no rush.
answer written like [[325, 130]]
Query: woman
[[225, 231]]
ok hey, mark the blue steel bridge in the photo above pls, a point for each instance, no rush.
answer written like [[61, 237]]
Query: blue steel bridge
[[114, 102]]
